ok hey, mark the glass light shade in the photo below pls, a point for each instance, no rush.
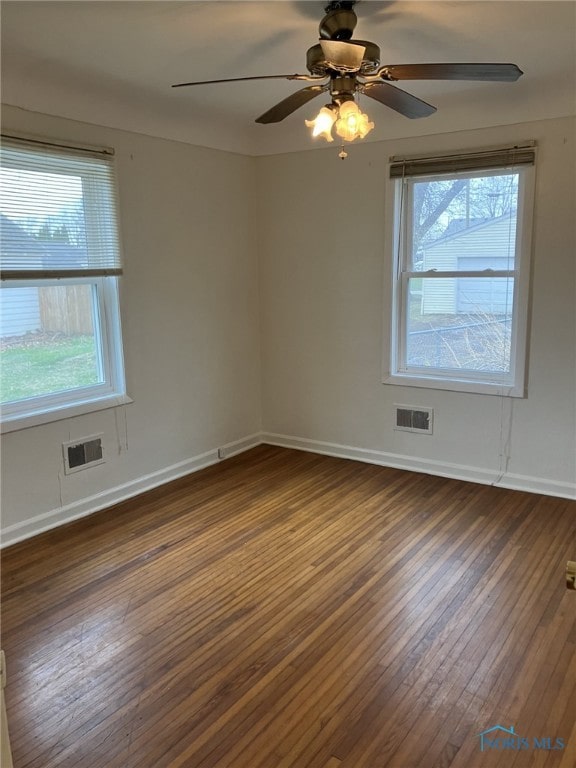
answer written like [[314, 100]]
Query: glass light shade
[[322, 123], [352, 123]]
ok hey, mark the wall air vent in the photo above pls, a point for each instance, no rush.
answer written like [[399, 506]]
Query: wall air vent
[[414, 418], [84, 453]]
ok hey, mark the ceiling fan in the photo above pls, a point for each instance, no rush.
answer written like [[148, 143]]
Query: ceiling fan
[[346, 67]]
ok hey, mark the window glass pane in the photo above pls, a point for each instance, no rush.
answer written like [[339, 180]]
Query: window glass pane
[[462, 223], [459, 323], [48, 342], [43, 219]]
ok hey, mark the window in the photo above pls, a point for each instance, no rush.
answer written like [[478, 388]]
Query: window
[[461, 246], [60, 341]]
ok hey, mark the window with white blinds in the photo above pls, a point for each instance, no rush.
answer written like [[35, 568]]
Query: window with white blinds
[[461, 247], [60, 335], [59, 212]]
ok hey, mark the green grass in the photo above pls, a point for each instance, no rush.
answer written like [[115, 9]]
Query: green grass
[[44, 366]]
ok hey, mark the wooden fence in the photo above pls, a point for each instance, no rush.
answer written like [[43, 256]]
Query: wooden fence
[[66, 309]]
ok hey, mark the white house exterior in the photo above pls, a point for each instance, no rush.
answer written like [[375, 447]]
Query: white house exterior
[[20, 306], [489, 245]]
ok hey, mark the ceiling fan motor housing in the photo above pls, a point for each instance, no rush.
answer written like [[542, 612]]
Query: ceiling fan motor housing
[[342, 88]]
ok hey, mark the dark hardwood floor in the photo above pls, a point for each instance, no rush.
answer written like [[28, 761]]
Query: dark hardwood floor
[[290, 610]]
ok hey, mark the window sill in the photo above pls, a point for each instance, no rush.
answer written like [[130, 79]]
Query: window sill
[[18, 422], [455, 385]]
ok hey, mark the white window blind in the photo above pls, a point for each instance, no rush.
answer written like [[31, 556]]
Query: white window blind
[[59, 211]]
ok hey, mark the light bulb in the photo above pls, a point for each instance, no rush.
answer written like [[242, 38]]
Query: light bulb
[[322, 123], [352, 123]]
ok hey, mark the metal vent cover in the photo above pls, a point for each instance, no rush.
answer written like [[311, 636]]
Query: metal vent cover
[[83, 453], [414, 418]]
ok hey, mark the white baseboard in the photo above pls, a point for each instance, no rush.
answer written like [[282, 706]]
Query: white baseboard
[[44, 522], [427, 466], [84, 507], [538, 485]]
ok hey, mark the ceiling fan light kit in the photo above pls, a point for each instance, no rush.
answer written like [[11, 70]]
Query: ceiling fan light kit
[[345, 67], [347, 119]]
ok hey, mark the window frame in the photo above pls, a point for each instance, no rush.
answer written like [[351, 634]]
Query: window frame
[[41, 409], [398, 218], [111, 391]]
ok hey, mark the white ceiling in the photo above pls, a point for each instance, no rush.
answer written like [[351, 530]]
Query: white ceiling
[[112, 63]]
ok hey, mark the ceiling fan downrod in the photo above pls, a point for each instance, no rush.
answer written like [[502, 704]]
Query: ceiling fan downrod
[[338, 5]]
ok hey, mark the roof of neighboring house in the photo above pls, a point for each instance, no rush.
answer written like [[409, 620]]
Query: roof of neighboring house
[[457, 229], [15, 242], [14, 237], [458, 225]]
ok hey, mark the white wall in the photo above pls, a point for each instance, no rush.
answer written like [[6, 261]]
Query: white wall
[[325, 297], [189, 301], [193, 222]]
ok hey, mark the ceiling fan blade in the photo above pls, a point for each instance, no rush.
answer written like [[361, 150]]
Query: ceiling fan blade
[[401, 101], [290, 104], [343, 56], [506, 73], [257, 77]]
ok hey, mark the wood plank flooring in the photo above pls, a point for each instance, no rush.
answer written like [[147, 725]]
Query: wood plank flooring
[[289, 610]]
